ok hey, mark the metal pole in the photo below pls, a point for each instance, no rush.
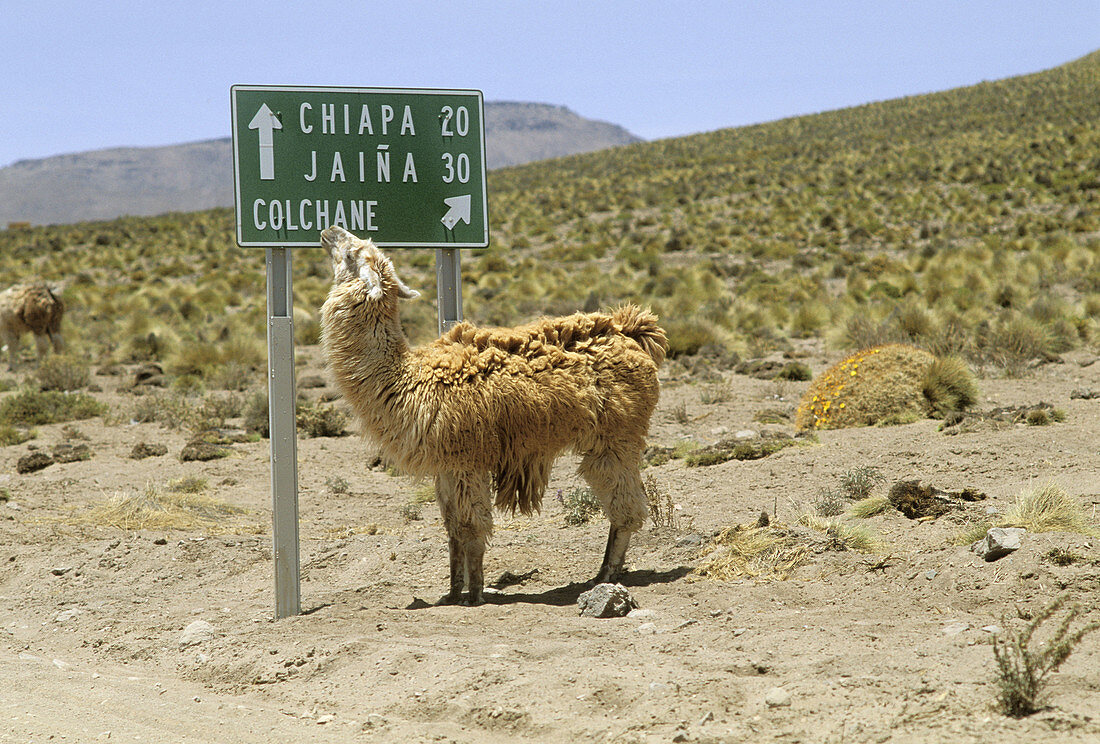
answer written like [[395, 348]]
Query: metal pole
[[283, 432], [448, 269]]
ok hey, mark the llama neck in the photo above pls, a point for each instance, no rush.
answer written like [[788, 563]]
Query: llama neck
[[368, 354]]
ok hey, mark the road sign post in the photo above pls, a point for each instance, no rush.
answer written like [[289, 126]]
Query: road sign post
[[403, 167]]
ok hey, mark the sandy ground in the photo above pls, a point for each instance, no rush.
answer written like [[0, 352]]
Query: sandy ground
[[892, 647]]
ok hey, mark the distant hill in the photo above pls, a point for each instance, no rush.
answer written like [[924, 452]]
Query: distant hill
[[104, 184]]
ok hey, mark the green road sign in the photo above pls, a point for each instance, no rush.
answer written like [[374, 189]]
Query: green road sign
[[404, 167]]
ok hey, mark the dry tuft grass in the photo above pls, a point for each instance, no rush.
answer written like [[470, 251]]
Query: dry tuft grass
[[843, 535], [869, 507], [153, 510], [744, 551], [1049, 508]]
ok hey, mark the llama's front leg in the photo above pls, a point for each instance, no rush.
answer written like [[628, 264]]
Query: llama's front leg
[[464, 502], [458, 571], [614, 555], [616, 481], [42, 344]]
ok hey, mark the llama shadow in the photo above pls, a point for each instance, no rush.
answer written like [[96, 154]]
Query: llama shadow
[[564, 596]]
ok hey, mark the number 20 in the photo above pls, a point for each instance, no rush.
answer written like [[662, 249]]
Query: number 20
[[461, 119]]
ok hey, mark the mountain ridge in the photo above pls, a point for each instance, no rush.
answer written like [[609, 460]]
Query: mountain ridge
[[144, 181]]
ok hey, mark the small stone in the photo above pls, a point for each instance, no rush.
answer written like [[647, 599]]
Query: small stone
[[991, 628], [639, 614], [746, 434], [777, 697], [606, 600], [954, 629], [690, 541], [197, 632], [998, 542], [930, 574], [60, 570], [66, 615], [647, 628]]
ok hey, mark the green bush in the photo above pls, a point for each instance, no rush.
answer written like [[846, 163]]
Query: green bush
[[36, 407]]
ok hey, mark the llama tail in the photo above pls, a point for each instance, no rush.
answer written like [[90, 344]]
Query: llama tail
[[641, 325]]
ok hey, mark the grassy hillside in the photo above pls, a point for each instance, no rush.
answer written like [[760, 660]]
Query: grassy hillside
[[965, 221]]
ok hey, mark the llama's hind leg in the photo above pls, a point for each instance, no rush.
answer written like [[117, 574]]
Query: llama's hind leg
[[465, 504], [617, 482]]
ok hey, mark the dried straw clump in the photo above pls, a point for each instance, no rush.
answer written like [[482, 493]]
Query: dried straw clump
[[153, 510], [889, 384], [1048, 508], [746, 551]]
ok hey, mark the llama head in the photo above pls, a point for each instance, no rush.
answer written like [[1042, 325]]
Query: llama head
[[355, 260]]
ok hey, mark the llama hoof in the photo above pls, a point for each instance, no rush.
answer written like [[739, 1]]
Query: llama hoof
[[474, 600], [606, 576], [449, 599]]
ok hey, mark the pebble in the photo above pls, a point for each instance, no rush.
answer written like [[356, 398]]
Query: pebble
[[606, 600], [777, 697], [197, 632], [66, 615], [953, 629], [998, 542]]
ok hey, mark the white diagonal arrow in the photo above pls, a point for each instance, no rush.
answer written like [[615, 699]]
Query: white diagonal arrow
[[459, 211], [266, 121]]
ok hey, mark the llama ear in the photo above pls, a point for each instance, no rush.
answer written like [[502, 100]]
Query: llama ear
[[404, 292]]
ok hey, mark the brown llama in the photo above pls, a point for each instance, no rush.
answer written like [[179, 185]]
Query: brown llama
[[489, 409], [33, 307]]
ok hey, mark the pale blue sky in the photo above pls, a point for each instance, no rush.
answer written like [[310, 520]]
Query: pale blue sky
[[81, 76]]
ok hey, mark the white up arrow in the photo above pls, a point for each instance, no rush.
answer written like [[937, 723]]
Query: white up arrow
[[459, 211], [266, 121]]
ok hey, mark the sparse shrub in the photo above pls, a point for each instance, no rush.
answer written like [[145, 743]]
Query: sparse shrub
[[580, 506], [1012, 343], [187, 484], [1022, 670], [667, 516], [11, 435], [63, 373], [412, 511], [859, 482], [256, 414], [687, 337], [321, 420], [33, 407], [712, 394], [796, 371], [1061, 557], [829, 503], [233, 376], [337, 486]]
